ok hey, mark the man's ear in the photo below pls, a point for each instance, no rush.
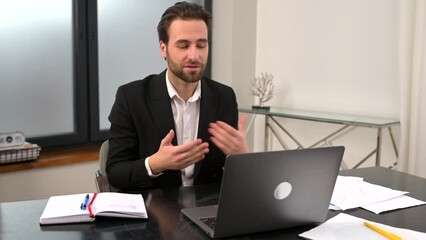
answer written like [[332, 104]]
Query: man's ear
[[163, 49]]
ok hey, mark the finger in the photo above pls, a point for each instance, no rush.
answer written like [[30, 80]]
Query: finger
[[224, 140], [227, 142], [186, 147], [198, 153], [167, 140], [224, 134], [219, 134], [192, 155], [220, 145], [242, 123], [223, 127]]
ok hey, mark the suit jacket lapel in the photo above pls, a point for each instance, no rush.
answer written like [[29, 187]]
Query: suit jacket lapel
[[160, 107], [208, 108]]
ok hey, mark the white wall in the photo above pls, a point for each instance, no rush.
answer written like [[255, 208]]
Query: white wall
[[330, 55], [234, 46]]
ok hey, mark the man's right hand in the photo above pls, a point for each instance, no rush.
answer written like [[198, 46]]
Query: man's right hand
[[169, 157]]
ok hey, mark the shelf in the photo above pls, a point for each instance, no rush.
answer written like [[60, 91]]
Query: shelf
[[56, 157]]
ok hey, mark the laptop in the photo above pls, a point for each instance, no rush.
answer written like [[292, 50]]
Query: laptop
[[271, 190]]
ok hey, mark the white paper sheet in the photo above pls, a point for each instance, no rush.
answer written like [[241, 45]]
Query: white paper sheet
[[392, 204], [347, 227], [353, 192]]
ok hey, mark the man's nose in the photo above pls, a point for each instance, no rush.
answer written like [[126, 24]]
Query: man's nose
[[193, 53]]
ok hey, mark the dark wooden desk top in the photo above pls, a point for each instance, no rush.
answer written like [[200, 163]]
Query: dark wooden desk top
[[19, 220]]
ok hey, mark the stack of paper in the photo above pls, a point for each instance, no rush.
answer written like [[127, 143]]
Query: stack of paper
[[344, 226], [353, 192]]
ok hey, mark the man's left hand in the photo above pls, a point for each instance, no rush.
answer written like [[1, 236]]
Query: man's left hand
[[229, 139]]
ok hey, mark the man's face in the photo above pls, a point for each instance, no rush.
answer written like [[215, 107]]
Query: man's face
[[187, 50]]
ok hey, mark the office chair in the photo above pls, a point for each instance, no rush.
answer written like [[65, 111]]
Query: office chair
[[101, 178]]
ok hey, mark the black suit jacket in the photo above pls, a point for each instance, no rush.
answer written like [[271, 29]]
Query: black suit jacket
[[142, 116]]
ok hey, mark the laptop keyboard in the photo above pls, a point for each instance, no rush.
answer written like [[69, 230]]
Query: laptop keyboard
[[209, 221]]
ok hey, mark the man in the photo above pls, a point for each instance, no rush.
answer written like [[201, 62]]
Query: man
[[175, 128]]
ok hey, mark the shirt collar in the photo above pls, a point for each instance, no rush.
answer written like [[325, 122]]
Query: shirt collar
[[172, 91]]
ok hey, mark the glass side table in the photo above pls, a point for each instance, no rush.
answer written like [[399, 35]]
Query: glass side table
[[342, 119]]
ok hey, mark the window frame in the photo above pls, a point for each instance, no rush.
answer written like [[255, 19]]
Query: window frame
[[86, 79]]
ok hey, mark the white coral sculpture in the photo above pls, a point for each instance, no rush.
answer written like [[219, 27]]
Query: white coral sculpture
[[263, 87]]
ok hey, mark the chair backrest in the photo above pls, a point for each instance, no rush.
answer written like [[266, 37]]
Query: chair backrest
[[101, 178], [103, 156]]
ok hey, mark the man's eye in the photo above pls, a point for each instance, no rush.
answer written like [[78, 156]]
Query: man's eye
[[182, 46], [201, 45]]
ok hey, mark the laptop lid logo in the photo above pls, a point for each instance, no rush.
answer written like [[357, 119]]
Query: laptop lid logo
[[282, 190]]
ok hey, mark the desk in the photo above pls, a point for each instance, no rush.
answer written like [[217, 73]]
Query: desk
[[345, 120], [19, 220]]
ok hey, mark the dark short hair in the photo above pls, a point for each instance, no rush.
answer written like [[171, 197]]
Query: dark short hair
[[184, 11]]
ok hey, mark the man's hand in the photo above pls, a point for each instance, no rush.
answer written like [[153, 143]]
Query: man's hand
[[169, 157], [229, 139]]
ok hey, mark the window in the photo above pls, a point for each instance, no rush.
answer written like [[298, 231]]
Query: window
[[63, 60]]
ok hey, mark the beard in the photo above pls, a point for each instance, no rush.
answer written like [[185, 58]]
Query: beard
[[188, 77]]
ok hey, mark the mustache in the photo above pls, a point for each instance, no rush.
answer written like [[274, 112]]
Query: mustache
[[193, 63]]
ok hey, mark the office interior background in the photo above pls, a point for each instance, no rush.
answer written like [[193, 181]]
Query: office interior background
[[359, 57]]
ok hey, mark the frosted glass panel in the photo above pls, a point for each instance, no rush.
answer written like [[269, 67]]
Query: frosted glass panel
[[128, 46], [36, 67]]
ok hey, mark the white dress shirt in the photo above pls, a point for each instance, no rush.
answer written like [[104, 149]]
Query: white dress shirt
[[186, 116]]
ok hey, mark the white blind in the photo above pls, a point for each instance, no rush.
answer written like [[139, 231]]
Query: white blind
[[36, 67]]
